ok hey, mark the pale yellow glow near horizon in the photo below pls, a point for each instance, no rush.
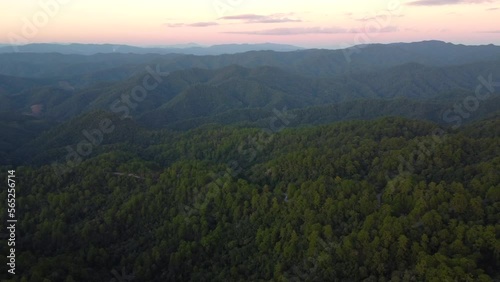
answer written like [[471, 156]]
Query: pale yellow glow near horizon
[[306, 23]]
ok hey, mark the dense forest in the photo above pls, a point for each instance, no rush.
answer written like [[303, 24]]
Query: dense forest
[[257, 166], [391, 199]]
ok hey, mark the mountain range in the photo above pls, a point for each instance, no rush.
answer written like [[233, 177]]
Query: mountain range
[[194, 49], [374, 163], [423, 80]]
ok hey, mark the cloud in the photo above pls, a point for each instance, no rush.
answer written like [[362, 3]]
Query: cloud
[[252, 18], [245, 18], [203, 24], [490, 31], [446, 2], [197, 24], [293, 31], [311, 30], [379, 17], [492, 9]]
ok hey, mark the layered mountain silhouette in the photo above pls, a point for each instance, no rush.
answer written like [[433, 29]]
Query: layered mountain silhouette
[[423, 80]]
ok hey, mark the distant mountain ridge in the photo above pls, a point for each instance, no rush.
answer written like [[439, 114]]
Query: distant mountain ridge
[[92, 49], [420, 80], [308, 62]]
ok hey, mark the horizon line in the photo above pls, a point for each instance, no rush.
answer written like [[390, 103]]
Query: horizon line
[[198, 45]]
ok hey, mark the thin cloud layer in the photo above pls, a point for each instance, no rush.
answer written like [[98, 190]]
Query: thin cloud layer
[[378, 18], [252, 18], [446, 2], [312, 30], [245, 18], [197, 24]]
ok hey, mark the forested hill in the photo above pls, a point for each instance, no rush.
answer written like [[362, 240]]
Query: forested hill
[[378, 162], [196, 93], [390, 199]]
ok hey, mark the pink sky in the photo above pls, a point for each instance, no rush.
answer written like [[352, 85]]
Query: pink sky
[[313, 23]]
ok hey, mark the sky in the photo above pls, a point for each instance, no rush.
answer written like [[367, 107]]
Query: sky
[[311, 23]]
